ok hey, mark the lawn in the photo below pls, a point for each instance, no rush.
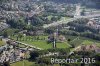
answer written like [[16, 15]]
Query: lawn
[[32, 40], [88, 42], [23, 63], [49, 17], [28, 63], [44, 45], [1, 43], [64, 18], [82, 40], [77, 41], [70, 37]]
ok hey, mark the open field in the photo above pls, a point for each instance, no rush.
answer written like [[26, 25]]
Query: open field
[[27, 63], [82, 40], [23, 63], [1, 43], [44, 45], [41, 41], [87, 42]]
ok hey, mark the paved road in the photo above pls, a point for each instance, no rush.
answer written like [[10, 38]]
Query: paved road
[[75, 49], [69, 20]]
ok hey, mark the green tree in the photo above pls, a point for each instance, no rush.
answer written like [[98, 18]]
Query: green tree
[[6, 64], [8, 32]]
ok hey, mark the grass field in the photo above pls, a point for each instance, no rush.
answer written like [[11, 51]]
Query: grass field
[[28, 63], [49, 17], [1, 43], [23, 63], [87, 42], [43, 43], [82, 40]]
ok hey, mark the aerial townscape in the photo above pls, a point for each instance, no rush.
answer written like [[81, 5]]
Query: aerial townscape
[[49, 32]]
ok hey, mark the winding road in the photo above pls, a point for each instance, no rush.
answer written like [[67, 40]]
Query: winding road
[[68, 20]]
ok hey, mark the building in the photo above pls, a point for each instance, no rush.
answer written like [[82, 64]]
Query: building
[[94, 23], [91, 47], [78, 10]]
